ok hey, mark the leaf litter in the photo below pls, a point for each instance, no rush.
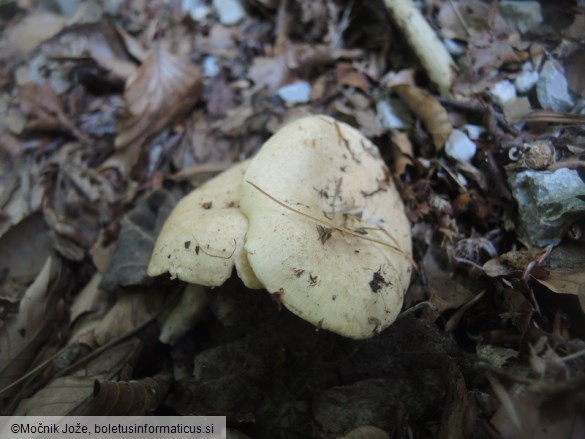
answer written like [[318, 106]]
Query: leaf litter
[[105, 108]]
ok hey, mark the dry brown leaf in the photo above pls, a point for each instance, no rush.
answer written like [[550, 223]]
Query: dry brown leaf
[[68, 395], [21, 260], [429, 110], [26, 332], [33, 30], [101, 41], [403, 153], [129, 311], [459, 20], [88, 300], [128, 398], [44, 104], [268, 72], [511, 263], [163, 88], [346, 74], [529, 415]]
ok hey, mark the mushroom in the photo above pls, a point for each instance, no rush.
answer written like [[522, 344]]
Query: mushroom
[[203, 237], [314, 218], [327, 229]]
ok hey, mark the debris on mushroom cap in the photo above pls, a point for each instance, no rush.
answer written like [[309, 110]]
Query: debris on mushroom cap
[[327, 228], [203, 237]]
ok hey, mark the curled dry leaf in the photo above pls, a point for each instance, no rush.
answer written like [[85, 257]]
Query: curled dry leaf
[[128, 398], [163, 88], [429, 110]]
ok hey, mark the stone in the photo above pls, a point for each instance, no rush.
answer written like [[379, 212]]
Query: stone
[[460, 147], [295, 93], [502, 92], [230, 12], [525, 81], [547, 204], [524, 15], [552, 89]]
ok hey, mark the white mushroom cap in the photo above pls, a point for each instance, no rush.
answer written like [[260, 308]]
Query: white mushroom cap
[[203, 237], [329, 272]]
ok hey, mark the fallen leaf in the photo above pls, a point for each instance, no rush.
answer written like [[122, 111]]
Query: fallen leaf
[[21, 260], [529, 415], [26, 332], [163, 88], [33, 30], [140, 227], [41, 102], [88, 300], [68, 395], [429, 110], [402, 153], [190, 309], [129, 311], [101, 41], [128, 398]]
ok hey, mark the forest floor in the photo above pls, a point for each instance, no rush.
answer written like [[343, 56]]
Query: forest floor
[[111, 111]]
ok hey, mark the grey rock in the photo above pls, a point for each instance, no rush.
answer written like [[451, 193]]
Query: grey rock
[[552, 89], [522, 14], [547, 204]]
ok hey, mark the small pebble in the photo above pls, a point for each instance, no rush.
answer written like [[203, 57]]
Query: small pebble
[[502, 92], [230, 12], [525, 81], [197, 9], [210, 66], [459, 147], [295, 93]]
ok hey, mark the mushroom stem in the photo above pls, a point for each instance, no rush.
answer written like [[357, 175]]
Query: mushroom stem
[[329, 224]]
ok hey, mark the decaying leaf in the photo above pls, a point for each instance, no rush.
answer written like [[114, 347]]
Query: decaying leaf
[[68, 395], [191, 308], [25, 333], [530, 414], [160, 91], [21, 260], [101, 41], [128, 398], [428, 110], [33, 30], [563, 271]]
